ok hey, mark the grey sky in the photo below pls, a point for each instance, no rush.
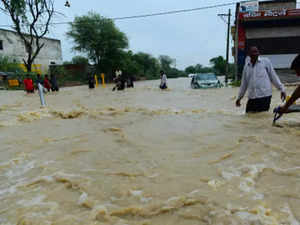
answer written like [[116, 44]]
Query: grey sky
[[190, 38]]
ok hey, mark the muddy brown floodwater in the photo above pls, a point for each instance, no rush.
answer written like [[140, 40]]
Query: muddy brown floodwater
[[145, 156]]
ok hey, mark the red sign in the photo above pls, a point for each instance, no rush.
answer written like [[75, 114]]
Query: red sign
[[242, 37], [270, 14]]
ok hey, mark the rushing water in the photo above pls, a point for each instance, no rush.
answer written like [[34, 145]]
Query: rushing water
[[145, 156]]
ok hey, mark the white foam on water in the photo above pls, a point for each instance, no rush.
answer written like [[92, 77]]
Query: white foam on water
[[83, 197], [136, 193], [145, 200], [215, 184], [229, 175], [20, 169], [32, 202], [9, 190], [292, 219]]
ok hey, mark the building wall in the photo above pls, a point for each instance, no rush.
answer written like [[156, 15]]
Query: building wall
[[271, 32], [288, 4], [282, 61], [13, 46]]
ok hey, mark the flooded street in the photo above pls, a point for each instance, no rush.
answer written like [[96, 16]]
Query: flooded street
[[145, 156]]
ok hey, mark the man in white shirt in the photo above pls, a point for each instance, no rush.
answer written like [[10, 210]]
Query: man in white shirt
[[258, 77], [163, 80], [118, 73]]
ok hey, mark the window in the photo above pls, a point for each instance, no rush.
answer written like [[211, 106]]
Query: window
[[1, 45]]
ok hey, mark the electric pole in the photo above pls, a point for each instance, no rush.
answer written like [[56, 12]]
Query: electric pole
[[227, 44]]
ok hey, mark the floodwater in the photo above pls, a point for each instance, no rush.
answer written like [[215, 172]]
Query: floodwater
[[145, 156]]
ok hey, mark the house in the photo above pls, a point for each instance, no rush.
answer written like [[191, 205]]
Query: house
[[12, 45], [273, 26]]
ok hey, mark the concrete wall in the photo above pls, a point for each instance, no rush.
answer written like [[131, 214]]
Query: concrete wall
[[281, 61], [13, 46], [277, 5], [272, 32]]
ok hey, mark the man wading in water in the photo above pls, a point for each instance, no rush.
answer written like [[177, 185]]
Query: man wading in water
[[163, 80], [258, 77]]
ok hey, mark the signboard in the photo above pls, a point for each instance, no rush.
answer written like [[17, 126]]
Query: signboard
[[34, 68], [13, 83], [270, 13], [249, 6]]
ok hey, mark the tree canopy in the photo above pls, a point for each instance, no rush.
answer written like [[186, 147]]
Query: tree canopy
[[31, 19], [99, 38], [198, 68]]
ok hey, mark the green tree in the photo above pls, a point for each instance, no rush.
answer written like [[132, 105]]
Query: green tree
[[165, 63], [198, 68], [9, 64], [149, 64], [31, 19], [219, 65], [100, 39], [190, 69], [80, 60], [129, 65]]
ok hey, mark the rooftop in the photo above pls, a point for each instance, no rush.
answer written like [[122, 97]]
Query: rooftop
[[12, 31]]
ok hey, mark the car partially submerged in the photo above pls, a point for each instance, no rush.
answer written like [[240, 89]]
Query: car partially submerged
[[205, 80]]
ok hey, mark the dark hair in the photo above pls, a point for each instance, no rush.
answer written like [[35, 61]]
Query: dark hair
[[162, 71], [296, 63], [252, 46]]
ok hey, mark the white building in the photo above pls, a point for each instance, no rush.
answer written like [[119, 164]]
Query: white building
[[12, 45]]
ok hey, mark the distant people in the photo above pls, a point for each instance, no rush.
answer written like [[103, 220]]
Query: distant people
[[163, 80], [28, 84], [296, 94], [47, 84], [39, 80], [91, 82], [53, 81], [120, 83], [118, 73], [258, 77], [129, 82]]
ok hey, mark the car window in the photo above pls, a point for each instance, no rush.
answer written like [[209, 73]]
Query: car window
[[206, 77]]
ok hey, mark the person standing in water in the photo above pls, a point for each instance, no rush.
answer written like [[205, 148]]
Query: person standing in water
[[53, 81], [163, 80], [91, 82], [258, 77], [28, 83]]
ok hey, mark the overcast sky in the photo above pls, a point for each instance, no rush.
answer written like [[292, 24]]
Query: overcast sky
[[190, 38]]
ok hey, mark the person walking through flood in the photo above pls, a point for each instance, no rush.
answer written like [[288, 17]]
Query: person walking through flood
[[120, 81], [129, 82], [47, 84], [258, 77], [53, 81], [163, 80], [296, 94], [91, 82], [39, 80], [28, 84]]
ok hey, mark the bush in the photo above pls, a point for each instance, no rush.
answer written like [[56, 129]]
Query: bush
[[9, 64], [235, 83]]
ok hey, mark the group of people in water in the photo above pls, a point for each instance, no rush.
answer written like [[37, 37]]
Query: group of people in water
[[121, 80], [257, 78], [47, 84]]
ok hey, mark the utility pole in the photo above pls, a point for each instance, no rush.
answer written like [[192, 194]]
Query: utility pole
[[236, 42], [227, 44]]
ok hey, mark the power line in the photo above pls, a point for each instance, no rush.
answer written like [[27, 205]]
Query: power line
[[175, 11], [155, 14]]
